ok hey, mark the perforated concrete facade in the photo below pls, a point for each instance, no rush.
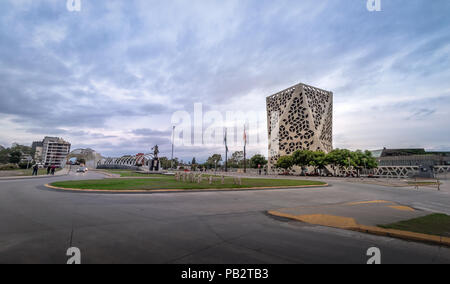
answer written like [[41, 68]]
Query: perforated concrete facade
[[299, 118]]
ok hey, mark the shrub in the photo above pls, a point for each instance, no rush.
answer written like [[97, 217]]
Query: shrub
[[24, 165], [7, 167]]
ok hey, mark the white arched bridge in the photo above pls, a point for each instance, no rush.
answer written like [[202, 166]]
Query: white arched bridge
[[126, 162]]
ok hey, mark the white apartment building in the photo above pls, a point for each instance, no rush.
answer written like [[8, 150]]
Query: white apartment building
[[54, 151]]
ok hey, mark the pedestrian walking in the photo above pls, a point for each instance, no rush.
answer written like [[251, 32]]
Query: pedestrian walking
[[53, 170], [49, 168]]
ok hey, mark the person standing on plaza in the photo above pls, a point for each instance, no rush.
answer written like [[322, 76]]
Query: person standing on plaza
[[35, 170]]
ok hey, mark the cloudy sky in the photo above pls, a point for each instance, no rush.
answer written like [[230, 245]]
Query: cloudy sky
[[111, 76]]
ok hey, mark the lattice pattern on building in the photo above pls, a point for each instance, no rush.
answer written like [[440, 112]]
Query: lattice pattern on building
[[299, 118], [125, 162]]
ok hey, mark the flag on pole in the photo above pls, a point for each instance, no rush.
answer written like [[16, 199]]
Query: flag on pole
[[245, 136], [245, 146], [225, 140]]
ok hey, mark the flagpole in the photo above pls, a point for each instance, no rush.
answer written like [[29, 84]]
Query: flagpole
[[245, 152], [226, 161], [226, 151], [173, 138]]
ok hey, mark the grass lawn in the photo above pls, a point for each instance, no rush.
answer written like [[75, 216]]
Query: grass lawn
[[22, 173], [169, 182], [434, 224]]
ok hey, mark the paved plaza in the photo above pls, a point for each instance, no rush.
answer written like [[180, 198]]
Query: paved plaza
[[39, 224]]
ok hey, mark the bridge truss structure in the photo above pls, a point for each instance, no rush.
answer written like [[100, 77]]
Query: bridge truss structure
[[126, 162]]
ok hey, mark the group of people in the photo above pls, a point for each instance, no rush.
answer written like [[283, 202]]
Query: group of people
[[50, 170], [260, 170]]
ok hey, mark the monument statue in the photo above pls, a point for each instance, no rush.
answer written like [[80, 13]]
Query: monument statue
[[154, 163], [155, 151]]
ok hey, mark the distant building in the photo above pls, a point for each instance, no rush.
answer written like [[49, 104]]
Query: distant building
[[411, 162], [412, 157], [37, 148], [51, 151]]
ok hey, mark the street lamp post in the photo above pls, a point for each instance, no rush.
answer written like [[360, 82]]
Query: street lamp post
[[173, 138]]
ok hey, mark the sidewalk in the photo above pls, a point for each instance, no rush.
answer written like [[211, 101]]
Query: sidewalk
[[62, 172], [364, 216]]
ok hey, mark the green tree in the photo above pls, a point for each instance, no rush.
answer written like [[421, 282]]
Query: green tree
[[14, 157], [236, 160], [4, 156], [164, 162], [363, 160], [285, 162], [370, 161], [318, 160], [175, 163], [303, 158], [213, 161], [26, 150], [339, 159], [258, 160], [332, 159]]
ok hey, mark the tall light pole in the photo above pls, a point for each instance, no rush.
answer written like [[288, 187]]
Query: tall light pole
[[173, 138]]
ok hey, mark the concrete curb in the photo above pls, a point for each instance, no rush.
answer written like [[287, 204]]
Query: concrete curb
[[180, 190], [406, 235], [351, 225]]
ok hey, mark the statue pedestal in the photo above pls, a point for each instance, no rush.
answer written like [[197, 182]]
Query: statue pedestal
[[154, 165]]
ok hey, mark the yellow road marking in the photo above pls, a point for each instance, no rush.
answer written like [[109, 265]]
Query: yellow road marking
[[402, 208], [350, 224], [329, 220], [320, 219]]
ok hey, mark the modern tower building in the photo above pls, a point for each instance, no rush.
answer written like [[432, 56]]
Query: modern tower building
[[299, 118], [54, 151]]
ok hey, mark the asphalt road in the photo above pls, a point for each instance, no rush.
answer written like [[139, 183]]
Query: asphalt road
[[38, 225]]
